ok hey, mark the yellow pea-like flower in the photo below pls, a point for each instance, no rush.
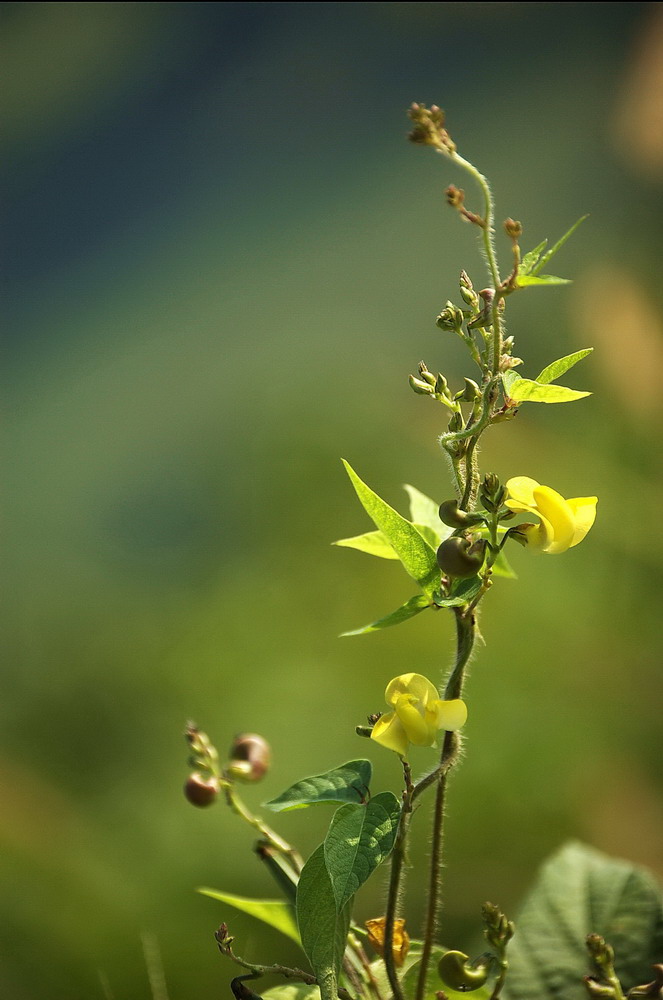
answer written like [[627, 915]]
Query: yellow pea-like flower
[[418, 714], [562, 523]]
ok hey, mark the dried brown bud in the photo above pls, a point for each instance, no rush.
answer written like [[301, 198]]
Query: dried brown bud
[[513, 229], [455, 196], [250, 757], [201, 791]]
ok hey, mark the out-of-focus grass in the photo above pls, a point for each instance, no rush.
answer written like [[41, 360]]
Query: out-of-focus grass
[[227, 261]]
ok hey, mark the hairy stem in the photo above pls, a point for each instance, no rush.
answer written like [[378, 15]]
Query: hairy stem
[[465, 629], [393, 896]]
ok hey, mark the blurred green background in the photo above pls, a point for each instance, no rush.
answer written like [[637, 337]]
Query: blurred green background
[[223, 261]]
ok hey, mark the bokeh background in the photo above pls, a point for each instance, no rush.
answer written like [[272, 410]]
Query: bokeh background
[[223, 261]]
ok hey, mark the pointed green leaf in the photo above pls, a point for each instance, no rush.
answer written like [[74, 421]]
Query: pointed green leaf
[[424, 511], [372, 542], [416, 555], [526, 390], [347, 783], [530, 260], [323, 929], [359, 839], [580, 891], [539, 266], [502, 567], [462, 592], [274, 912], [557, 368], [402, 614], [525, 280]]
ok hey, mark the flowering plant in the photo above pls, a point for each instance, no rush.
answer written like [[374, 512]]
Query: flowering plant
[[454, 552]]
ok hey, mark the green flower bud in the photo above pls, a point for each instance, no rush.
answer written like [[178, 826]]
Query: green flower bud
[[441, 386], [460, 558], [458, 975], [467, 292], [471, 392], [201, 791], [250, 757], [422, 388], [451, 514], [425, 375], [451, 318]]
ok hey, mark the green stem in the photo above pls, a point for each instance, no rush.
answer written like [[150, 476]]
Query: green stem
[[393, 896], [465, 630], [272, 838]]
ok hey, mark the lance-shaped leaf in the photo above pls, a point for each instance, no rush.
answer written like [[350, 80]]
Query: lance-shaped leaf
[[545, 257], [525, 390], [424, 511], [372, 542], [557, 368], [359, 839], [531, 280], [462, 592], [322, 927], [347, 783], [534, 261], [414, 552], [408, 610], [274, 912], [580, 891], [530, 259]]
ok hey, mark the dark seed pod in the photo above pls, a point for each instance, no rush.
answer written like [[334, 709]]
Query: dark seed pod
[[451, 514], [201, 791], [460, 558], [250, 757]]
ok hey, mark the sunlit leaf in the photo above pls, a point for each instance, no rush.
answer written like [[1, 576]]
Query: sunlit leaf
[[359, 839], [525, 390], [557, 368], [323, 928], [416, 555], [502, 567], [580, 891], [347, 783], [525, 280], [424, 511], [291, 991], [372, 542], [408, 610], [530, 260], [274, 912], [541, 263]]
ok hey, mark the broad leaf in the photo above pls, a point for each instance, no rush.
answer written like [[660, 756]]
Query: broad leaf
[[372, 542], [580, 891], [290, 991], [424, 511], [347, 783], [416, 555], [359, 839], [462, 592], [274, 912], [408, 610], [541, 263], [525, 390], [322, 928], [557, 368], [531, 280]]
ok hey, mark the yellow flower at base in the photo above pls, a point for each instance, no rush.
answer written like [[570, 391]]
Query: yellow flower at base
[[563, 523], [419, 714], [400, 944]]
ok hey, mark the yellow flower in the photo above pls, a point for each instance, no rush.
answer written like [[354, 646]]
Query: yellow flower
[[419, 713], [400, 944], [564, 523]]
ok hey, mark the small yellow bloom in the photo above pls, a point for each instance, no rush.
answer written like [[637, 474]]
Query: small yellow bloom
[[400, 944], [564, 523], [419, 713]]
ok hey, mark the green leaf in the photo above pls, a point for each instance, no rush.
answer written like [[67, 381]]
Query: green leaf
[[402, 614], [526, 390], [557, 368], [502, 567], [530, 260], [274, 912], [416, 555], [424, 511], [462, 592], [359, 839], [525, 280], [323, 929], [434, 984], [541, 263], [290, 991], [347, 783], [372, 542], [580, 891]]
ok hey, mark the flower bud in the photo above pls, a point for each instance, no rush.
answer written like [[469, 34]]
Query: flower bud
[[451, 318], [458, 975], [471, 392], [595, 989], [460, 558], [513, 229], [467, 292], [441, 385], [420, 387], [201, 791], [250, 757], [425, 375], [451, 514], [455, 196]]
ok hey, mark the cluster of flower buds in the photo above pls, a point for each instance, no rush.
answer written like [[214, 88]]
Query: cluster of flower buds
[[249, 760], [425, 383], [492, 493], [498, 931], [428, 128]]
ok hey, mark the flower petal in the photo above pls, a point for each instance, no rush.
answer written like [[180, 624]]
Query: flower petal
[[452, 715], [388, 732], [412, 684], [418, 731], [521, 490], [584, 513], [556, 510]]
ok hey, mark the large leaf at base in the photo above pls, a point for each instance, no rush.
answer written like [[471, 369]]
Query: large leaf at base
[[347, 783], [322, 928], [407, 610], [580, 891], [274, 912], [415, 553], [359, 839]]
